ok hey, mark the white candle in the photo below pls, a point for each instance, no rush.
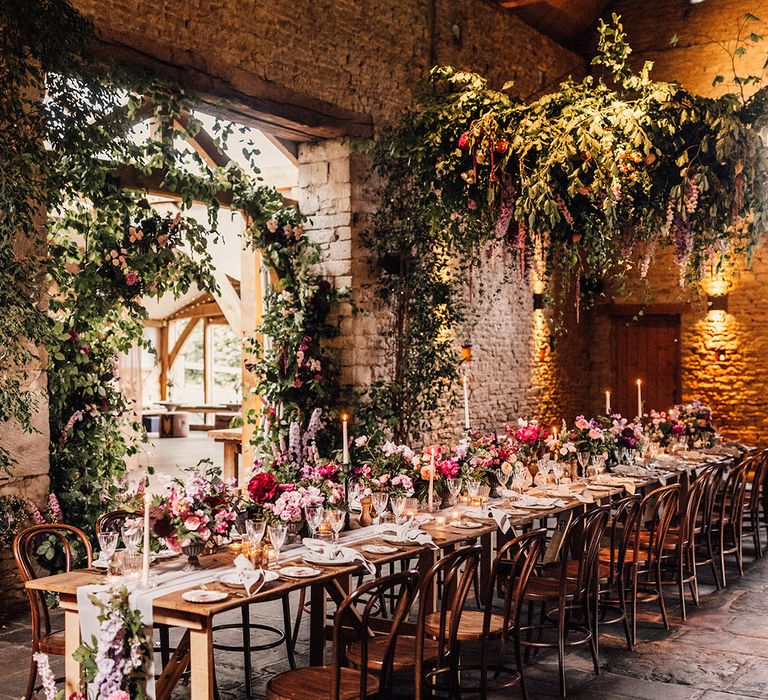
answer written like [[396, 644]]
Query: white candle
[[344, 440], [430, 500], [466, 402], [607, 403], [639, 399], [145, 552]]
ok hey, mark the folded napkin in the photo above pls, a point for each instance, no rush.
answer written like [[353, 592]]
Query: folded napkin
[[251, 577], [584, 496], [525, 499], [609, 480], [491, 513], [337, 553], [407, 532]]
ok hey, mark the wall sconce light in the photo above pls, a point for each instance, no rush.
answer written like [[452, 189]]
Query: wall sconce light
[[717, 302], [721, 354], [466, 352], [538, 302]]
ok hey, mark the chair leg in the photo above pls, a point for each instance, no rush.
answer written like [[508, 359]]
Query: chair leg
[[660, 592], [592, 622], [681, 585], [722, 555], [520, 666], [634, 605], [711, 557], [165, 644], [529, 632], [738, 536], [247, 664], [289, 646], [625, 620], [31, 681], [561, 650]]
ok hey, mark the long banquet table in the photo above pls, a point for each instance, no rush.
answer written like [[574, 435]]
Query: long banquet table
[[196, 646]]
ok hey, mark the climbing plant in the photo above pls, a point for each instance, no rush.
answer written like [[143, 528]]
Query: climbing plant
[[584, 183]]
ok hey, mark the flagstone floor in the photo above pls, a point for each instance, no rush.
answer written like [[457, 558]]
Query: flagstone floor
[[720, 653]]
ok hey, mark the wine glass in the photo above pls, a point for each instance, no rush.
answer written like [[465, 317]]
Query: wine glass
[[503, 477], [454, 488], [254, 530], [314, 516], [558, 469], [473, 486], [398, 505], [583, 459], [132, 532], [336, 519], [379, 502], [518, 480], [277, 534], [108, 545], [544, 465]]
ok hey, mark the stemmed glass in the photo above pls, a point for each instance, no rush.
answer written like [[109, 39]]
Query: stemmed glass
[[518, 480], [544, 465], [583, 458], [336, 519], [558, 469], [473, 487], [277, 534], [454, 488], [314, 516], [108, 545], [503, 477], [398, 505], [254, 531], [132, 532], [379, 502]]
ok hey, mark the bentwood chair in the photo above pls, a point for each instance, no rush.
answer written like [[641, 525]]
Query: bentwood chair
[[338, 682], [651, 550], [712, 477], [729, 516], [753, 500], [25, 546], [613, 567], [570, 588], [114, 520]]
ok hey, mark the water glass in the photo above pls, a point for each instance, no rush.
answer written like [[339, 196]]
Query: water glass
[[336, 519], [379, 502], [314, 516], [132, 533], [131, 565], [473, 487], [558, 469], [254, 531], [503, 477], [454, 488], [484, 493], [108, 545], [398, 506], [277, 534]]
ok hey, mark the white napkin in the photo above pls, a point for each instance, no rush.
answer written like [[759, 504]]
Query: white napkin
[[585, 497], [525, 499], [250, 576], [628, 485], [491, 513], [407, 532], [337, 553]]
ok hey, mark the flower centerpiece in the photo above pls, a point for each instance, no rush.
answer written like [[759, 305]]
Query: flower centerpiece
[[663, 429], [496, 451], [196, 507], [628, 437], [531, 440], [696, 419], [388, 467]]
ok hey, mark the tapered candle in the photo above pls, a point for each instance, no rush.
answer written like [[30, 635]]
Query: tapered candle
[[344, 440], [430, 499], [607, 403], [639, 399], [145, 552], [466, 402]]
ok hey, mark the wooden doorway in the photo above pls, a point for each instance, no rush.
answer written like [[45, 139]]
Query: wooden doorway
[[647, 348]]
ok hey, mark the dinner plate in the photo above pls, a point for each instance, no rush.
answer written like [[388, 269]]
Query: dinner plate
[[200, 595], [320, 560], [379, 549], [299, 571], [600, 487], [465, 524], [100, 564], [232, 578], [537, 506], [392, 539], [164, 554]]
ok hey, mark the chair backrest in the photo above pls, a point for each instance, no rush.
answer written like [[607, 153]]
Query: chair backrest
[[693, 508], [733, 488], [625, 516], [457, 571], [665, 502], [513, 567], [714, 480], [372, 597], [113, 520], [756, 480], [583, 539], [25, 547]]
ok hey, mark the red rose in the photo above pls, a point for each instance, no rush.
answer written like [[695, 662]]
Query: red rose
[[262, 487], [131, 278], [464, 141], [501, 146]]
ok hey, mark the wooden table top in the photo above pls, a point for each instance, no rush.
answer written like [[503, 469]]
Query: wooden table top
[[226, 435]]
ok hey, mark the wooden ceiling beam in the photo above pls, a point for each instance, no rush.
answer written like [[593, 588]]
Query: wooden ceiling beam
[[179, 344], [197, 311]]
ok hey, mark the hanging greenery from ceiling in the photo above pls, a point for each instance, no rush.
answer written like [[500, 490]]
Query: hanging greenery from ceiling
[[581, 184]]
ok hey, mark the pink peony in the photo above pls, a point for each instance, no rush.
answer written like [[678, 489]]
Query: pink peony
[[192, 522], [118, 695], [131, 278]]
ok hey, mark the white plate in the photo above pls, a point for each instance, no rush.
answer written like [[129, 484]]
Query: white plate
[[465, 524], [165, 554], [200, 595], [392, 539], [379, 549], [600, 487], [232, 578], [537, 506], [320, 560], [299, 571], [99, 564]]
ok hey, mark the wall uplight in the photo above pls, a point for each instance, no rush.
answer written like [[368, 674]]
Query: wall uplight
[[721, 354], [538, 302], [717, 302]]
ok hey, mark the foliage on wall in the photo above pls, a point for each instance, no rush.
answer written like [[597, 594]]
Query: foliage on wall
[[581, 184], [296, 370]]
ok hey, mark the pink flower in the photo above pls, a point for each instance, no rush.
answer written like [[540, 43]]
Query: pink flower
[[131, 278], [582, 423], [118, 695], [193, 522], [464, 141]]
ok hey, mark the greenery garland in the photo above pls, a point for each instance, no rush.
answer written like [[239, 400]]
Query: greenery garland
[[582, 184]]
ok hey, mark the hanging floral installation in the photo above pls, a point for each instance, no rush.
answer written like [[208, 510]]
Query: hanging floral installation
[[581, 185]]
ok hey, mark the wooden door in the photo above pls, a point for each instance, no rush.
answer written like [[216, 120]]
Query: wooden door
[[646, 349]]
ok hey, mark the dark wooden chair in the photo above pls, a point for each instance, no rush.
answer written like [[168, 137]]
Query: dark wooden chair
[[729, 516], [570, 587], [114, 520], [338, 682], [650, 550], [704, 549], [753, 500], [25, 545], [613, 570]]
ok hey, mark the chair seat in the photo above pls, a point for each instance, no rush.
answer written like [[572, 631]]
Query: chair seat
[[52, 643], [605, 556], [404, 657], [604, 570], [548, 588], [470, 625], [314, 683]]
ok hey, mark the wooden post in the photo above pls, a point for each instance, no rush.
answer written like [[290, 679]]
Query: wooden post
[[207, 363], [163, 358]]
